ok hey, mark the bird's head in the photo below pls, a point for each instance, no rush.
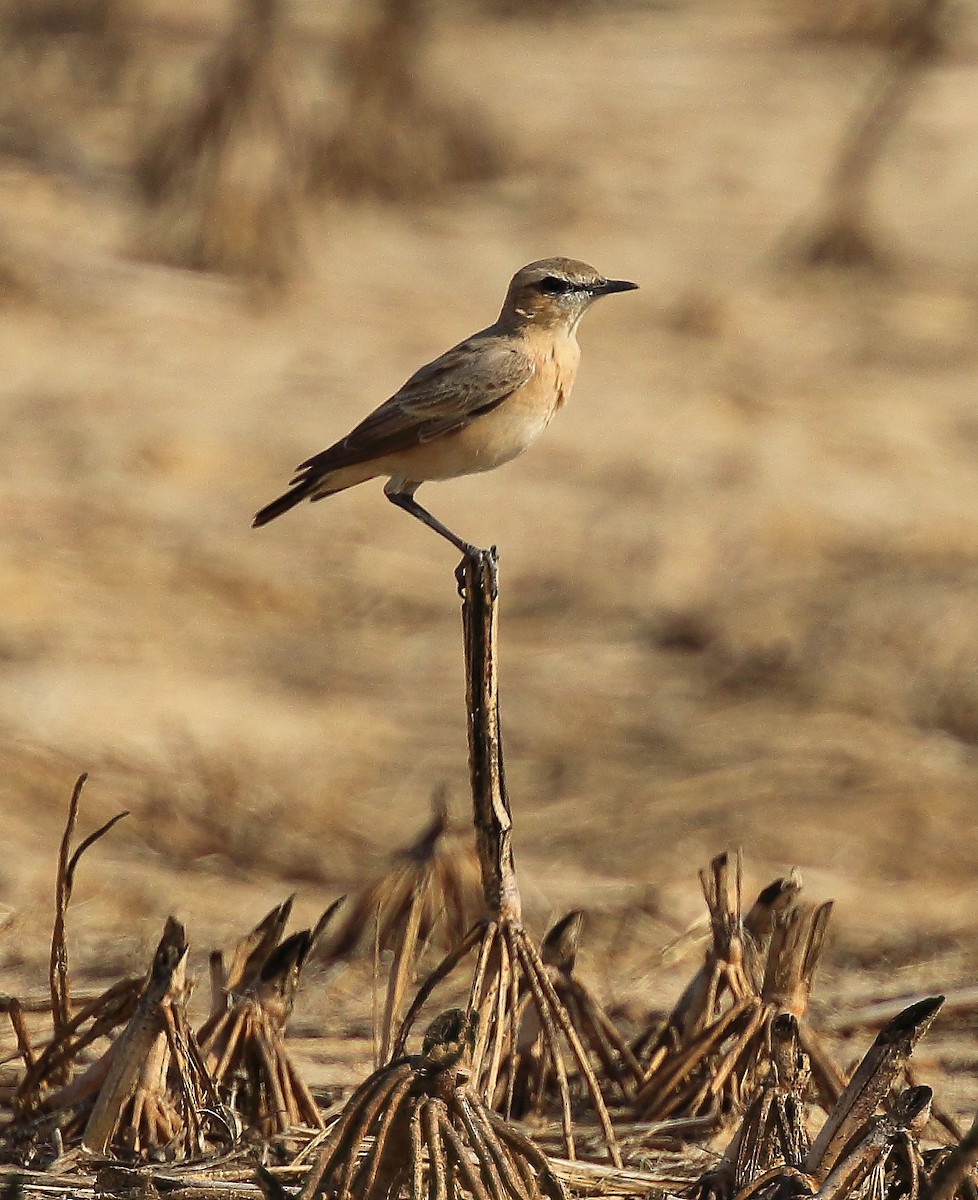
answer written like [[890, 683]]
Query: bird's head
[[555, 293]]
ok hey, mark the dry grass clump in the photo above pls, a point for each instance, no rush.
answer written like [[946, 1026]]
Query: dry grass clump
[[703, 1064], [148, 1093], [243, 1040], [221, 174], [393, 140], [417, 1123]]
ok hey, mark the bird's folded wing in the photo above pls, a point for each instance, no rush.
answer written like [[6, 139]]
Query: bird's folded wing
[[471, 379]]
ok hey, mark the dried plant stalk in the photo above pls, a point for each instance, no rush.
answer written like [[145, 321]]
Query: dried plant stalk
[[67, 865], [97, 1019], [615, 1066], [722, 974], [903, 1122], [243, 1041], [771, 1140], [248, 957], [707, 1060], [149, 1090], [417, 1123], [436, 875], [770, 1156], [136, 1110], [53, 1066], [511, 980], [870, 1083], [431, 890]]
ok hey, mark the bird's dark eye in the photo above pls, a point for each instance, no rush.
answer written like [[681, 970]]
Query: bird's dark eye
[[554, 286]]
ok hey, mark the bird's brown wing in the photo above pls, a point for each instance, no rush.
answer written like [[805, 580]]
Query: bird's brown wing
[[470, 379]]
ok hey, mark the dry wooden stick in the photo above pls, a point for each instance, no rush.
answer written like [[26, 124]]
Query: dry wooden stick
[[908, 1116], [67, 864], [870, 1082], [511, 983], [491, 811], [955, 1165]]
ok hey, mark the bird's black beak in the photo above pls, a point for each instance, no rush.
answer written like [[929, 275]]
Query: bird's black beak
[[613, 285]]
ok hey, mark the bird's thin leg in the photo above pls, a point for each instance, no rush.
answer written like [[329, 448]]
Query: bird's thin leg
[[407, 501]]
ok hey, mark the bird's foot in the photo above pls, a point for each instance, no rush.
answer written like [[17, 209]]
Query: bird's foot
[[478, 559]]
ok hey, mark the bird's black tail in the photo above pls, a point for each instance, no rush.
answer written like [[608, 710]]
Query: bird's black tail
[[304, 489], [289, 500]]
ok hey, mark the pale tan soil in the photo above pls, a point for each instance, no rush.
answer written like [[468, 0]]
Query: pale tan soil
[[740, 574]]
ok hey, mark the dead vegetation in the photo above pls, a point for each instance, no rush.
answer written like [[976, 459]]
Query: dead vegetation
[[429, 894], [543, 1055], [417, 1122], [711, 1051], [738, 1053], [243, 1040]]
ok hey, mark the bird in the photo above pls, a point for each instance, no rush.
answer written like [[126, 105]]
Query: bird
[[475, 407]]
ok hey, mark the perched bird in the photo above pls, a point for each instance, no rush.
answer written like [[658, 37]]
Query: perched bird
[[477, 406]]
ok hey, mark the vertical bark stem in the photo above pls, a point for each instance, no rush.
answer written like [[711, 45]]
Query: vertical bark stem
[[490, 803]]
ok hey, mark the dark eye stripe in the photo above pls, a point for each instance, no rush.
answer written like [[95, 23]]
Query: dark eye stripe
[[554, 286]]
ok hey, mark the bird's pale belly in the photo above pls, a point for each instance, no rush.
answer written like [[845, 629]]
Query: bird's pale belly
[[486, 442]]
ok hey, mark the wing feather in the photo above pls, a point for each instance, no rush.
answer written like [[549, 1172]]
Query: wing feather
[[472, 378]]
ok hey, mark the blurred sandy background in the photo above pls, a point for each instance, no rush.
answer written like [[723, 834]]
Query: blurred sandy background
[[740, 573]]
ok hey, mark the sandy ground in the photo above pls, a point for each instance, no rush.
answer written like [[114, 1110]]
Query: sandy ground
[[740, 573]]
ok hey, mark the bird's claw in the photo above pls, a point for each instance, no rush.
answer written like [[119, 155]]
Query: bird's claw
[[478, 558]]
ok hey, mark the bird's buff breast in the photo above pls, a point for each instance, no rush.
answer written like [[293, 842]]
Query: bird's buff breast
[[501, 435]]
